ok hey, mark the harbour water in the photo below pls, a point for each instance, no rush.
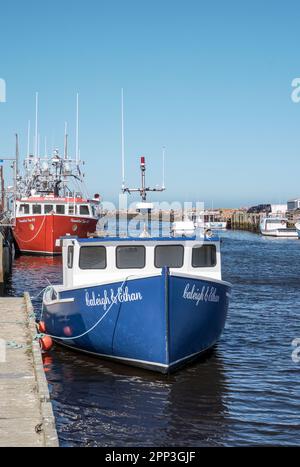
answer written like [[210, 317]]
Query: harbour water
[[246, 392]]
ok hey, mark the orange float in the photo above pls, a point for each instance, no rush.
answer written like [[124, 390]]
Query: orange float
[[46, 342], [42, 327]]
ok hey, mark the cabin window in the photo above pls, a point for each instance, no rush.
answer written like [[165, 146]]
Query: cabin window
[[71, 209], [169, 255], [24, 208], [36, 209], [204, 256], [276, 221], [48, 208], [70, 256], [130, 257], [84, 211], [60, 209], [92, 257]]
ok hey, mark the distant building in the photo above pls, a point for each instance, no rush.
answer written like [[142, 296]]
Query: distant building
[[293, 204], [279, 208], [269, 209], [260, 208]]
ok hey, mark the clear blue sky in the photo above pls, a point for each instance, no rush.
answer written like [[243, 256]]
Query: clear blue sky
[[209, 80]]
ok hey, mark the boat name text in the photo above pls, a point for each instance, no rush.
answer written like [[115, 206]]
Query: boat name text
[[112, 297], [206, 294]]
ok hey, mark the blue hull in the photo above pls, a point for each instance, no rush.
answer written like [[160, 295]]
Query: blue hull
[[156, 322]]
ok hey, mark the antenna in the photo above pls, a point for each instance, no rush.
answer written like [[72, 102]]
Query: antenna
[[164, 159], [36, 124], [123, 151], [77, 129], [17, 155], [45, 146], [28, 139], [66, 142], [143, 190], [38, 144]]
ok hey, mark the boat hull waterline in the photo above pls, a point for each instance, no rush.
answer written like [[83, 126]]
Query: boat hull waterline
[[284, 233], [158, 322]]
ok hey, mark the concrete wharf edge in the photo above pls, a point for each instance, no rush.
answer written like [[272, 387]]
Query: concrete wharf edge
[[37, 429], [48, 420]]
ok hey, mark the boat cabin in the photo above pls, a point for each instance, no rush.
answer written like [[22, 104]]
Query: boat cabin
[[273, 223], [35, 206], [102, 260]]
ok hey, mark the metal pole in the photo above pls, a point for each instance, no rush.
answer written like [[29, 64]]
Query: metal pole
[[2, 188], [123, 144], [77, 130], [36, 125], [66, 142], [28, 139], [17, 155]]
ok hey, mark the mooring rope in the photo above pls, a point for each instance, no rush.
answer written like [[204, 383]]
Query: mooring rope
[[41, 335], [15, 345], [34, 297]]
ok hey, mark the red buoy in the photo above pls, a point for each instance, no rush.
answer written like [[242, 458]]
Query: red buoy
[[46, 343], [42, 327], [68, 331]]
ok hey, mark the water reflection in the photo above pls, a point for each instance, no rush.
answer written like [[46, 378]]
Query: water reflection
[[33, 273], [126, 406]]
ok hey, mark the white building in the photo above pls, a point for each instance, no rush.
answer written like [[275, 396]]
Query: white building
[[293, 204]]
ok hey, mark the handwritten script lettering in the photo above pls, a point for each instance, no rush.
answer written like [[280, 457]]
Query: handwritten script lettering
[[206, 294], [110, 297]]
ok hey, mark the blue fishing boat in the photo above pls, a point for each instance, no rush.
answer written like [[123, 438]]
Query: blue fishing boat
[[153, 302], [150, 302]]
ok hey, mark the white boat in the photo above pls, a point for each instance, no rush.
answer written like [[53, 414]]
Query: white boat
[[209, 221], [215, 225], [277, 227], [297, 226]]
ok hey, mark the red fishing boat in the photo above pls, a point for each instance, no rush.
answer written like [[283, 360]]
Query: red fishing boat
[[49, 201], [41, 220], [47, 207]]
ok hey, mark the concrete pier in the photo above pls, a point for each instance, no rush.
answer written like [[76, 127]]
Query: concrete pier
[[26, 416], [241, 220]]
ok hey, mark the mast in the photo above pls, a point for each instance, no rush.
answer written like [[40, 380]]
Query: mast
[[66, 142], [45, 173], [36, 125], [2, 205], [17, 156], [143, 190], [15, 166], [28, 139], [123, 145], [77, 130], [143, 170], [38, 145]]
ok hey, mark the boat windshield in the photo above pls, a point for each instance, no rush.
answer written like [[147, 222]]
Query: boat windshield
[[276, 221]]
